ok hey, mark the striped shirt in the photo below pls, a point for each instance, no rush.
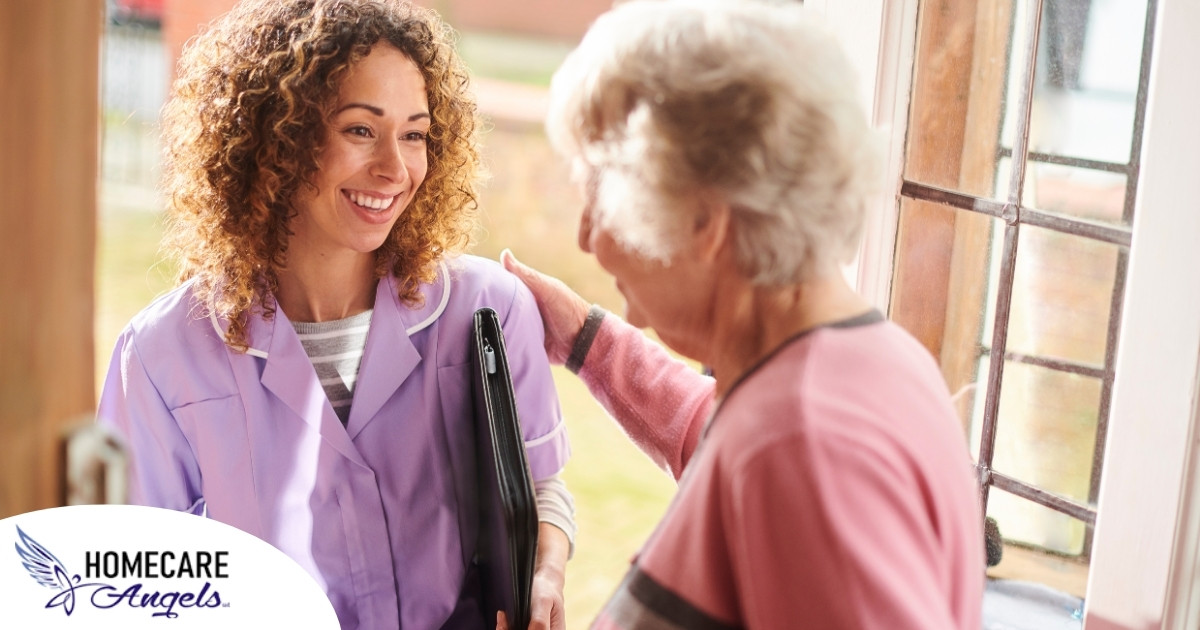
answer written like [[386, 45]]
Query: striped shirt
[[335, 349]]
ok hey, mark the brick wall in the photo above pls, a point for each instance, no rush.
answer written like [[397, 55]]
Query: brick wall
[[182, 19]]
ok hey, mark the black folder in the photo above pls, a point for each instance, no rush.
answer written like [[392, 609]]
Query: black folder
[[508, 525]]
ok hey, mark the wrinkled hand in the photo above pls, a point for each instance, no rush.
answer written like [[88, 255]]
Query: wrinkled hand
[[563, 310]]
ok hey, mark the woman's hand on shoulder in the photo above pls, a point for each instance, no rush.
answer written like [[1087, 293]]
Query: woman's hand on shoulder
[[563, 310]]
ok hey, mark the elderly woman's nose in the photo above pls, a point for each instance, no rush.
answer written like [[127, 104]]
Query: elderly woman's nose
[[585, 230]]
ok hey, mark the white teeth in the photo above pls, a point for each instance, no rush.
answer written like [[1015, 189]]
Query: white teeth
[[373, 203]]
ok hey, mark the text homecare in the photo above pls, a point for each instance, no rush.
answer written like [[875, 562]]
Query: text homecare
[[157, 564]]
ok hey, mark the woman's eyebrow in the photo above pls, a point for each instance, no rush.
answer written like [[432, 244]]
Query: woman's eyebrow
[[378, 111]]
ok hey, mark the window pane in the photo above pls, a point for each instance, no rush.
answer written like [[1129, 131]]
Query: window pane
[[1077, 192], [1085, 94], [1022, 563], [958, 94], [1062, 294], [940, 290], [1045, 437]]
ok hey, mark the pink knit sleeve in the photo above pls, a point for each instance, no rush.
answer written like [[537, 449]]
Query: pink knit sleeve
[[660, 402]]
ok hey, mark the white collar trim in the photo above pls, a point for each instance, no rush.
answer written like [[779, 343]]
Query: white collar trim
[[255, 352]]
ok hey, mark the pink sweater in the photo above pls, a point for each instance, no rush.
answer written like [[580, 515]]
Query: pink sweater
[[833, 488]]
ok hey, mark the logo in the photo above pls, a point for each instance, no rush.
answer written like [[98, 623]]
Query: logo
[[130, 567], [50, 572]]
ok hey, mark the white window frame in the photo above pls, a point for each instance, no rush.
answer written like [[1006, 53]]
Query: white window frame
[[1145, 567], [1147, 488]]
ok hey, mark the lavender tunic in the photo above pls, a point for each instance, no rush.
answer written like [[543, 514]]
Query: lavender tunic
[[380, 511]]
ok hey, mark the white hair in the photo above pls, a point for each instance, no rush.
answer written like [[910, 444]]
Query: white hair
[[666, 100]]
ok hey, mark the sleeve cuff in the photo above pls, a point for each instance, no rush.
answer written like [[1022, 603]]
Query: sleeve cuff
[[556, 506], [583, 341]]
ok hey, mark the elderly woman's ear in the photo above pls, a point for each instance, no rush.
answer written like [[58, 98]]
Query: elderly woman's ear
[[713, 230]]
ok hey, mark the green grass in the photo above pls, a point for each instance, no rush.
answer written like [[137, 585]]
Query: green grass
[[512, 58], [129, 273], [530, 207], [619, 496]]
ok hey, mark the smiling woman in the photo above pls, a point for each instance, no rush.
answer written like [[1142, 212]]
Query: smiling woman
[[373, 161], [308, 380]]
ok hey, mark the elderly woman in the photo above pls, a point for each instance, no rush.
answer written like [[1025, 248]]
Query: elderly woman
[[308, 381], [823, 478]]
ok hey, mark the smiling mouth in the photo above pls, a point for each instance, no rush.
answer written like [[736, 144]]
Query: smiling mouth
[[370, 202]]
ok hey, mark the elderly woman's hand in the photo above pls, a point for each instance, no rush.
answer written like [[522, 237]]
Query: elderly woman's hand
[[563, 310]]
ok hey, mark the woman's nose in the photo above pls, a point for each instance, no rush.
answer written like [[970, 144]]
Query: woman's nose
[[389, 161]]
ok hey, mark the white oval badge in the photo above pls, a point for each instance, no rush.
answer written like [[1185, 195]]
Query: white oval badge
[[132, 567]]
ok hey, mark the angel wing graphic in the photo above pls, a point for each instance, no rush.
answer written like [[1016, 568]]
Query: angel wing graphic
[[47, 569], [42, 565]]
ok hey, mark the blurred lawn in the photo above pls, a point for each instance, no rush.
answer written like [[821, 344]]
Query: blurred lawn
[[512, 58], [528, 206]]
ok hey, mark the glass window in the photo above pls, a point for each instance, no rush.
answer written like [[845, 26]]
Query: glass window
[[1012, 243]]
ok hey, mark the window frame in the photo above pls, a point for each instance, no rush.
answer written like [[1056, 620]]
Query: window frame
[[1144, 571]]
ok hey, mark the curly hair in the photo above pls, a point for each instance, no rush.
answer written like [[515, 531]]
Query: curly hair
[[243, 132]]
